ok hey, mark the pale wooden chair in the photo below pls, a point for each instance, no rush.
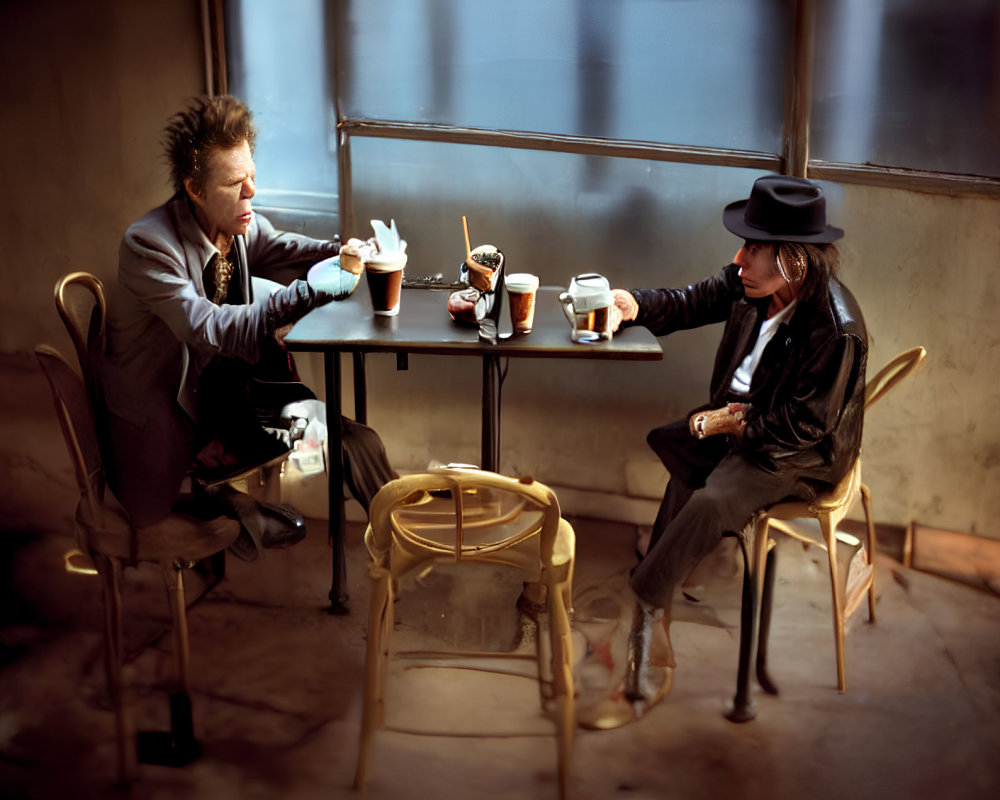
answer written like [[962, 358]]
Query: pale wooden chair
[[829, 510], [465, 516], [109, 541]]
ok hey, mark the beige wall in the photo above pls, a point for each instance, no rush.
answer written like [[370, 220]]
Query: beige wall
[[88, 86], [925, 269]]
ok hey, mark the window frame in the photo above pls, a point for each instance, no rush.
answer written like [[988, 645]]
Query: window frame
[[793, 160]]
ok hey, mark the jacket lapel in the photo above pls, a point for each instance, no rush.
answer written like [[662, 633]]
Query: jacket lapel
[[738, 341]]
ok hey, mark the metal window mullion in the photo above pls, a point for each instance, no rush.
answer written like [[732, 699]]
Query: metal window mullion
[[213, 30], [799, 85]]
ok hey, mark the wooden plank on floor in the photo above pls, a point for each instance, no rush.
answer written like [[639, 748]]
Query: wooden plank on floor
[[959, 556]]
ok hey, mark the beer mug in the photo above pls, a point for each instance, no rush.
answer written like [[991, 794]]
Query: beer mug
[[587, 306]]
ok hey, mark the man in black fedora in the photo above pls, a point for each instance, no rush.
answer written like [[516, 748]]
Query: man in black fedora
[[786, 399]]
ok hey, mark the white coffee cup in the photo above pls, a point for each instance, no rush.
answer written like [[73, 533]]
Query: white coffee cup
[[521, 290]]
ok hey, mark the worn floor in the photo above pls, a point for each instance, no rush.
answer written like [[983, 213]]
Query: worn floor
[[277, 681]]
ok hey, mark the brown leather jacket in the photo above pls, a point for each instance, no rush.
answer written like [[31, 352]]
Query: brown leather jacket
[[807, 396]]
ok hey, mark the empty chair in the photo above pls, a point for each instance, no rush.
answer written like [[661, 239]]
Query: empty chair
[[829, 509], [465, 516], [106, 535]]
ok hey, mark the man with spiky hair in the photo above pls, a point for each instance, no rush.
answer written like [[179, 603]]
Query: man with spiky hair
[[195, 359]]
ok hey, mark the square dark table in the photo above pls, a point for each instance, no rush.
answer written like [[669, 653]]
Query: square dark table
[[424, 327]]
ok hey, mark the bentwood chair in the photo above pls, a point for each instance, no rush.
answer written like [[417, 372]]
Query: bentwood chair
[[464, 516], [829, 509], [107, 537], [80, 301]]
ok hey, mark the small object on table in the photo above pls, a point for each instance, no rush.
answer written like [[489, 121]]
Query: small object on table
[[329, 276], [462, 305]]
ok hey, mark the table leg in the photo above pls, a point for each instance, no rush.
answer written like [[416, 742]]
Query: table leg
[[360, 389], [335, 488], [491, 414]]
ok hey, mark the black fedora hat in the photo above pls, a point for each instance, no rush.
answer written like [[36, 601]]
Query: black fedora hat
[[781, 208]]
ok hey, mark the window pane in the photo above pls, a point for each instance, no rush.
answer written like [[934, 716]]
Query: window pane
[[645, 223], [908, 83], [655, 70], [277, 53]]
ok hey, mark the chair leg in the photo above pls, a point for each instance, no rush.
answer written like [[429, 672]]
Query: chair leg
[[178, 747], [829, 535], [545, 658], [766, 606], [173, 577], [270, 483], [753, 543], [380, 621], [562, 676], [110, 570], [866, 501]]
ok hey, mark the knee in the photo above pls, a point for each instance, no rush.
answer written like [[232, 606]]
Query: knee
[[706, 509], [722, 510], [663, 439]]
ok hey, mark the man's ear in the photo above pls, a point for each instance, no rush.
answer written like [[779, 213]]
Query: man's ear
[[191, 188]]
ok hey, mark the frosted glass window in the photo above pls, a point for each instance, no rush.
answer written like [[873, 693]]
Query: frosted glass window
[[704, 73], [278, 54], [908, 83], [649, 223]]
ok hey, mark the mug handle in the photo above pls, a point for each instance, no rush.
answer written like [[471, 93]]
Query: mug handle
[[567, 306]]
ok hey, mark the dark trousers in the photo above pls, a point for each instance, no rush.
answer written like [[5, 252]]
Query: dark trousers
[[712, 491], [237, 400]]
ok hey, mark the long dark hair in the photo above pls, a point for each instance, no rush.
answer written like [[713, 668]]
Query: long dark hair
[[822, 266]]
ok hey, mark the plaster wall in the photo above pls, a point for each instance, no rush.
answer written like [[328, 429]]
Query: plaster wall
[[87, 87]]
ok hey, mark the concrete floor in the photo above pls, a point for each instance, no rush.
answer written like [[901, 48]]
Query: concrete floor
[[277, 681]]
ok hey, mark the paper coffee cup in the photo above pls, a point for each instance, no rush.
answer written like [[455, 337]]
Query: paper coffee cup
[[521, 290], [385, 282]]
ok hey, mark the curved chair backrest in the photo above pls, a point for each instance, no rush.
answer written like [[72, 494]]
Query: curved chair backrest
[[892, 373], [80, 302], [463, 515], [76, 418]]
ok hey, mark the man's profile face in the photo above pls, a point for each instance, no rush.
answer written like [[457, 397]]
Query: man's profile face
[[759, 269], [223, 204]]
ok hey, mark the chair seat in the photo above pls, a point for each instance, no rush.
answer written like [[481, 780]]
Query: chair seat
[[177, 537], [430, 535]]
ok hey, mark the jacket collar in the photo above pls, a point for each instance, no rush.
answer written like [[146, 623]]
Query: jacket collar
[[199, 250]]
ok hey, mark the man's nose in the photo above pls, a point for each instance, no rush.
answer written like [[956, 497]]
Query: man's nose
[[740, 259], [249, 190]]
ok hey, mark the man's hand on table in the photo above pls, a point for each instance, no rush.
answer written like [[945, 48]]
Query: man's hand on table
[[291, 303]]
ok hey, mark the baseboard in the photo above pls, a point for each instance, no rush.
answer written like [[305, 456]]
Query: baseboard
[[608, 506]]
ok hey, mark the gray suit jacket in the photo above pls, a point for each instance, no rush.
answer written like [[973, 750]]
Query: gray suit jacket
[[162, 332]]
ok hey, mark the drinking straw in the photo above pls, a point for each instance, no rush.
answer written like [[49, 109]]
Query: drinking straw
[[465, 228]]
